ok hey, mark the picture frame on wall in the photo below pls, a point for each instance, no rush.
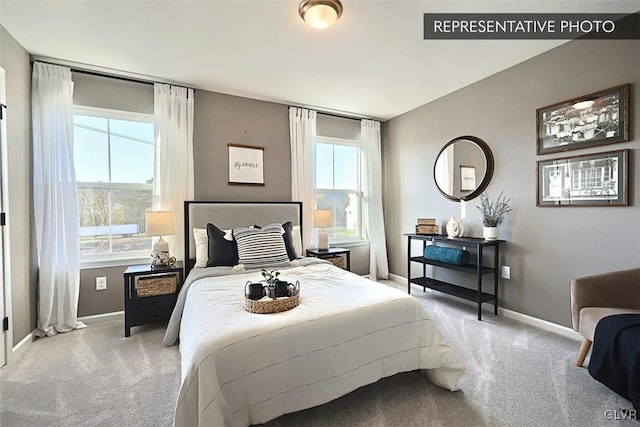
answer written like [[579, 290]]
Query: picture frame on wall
[[246, 164], [467, 178], [588, 121], [600, 179]]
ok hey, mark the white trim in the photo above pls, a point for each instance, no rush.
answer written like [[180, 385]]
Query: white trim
[[109, 113], [25, 344], [101, 318], [541, 323], [107, 259], [116, 262], [349, 244], [114, 185], [6, 251], [22, 347], [517, 316], [337, 141], [356, 143]]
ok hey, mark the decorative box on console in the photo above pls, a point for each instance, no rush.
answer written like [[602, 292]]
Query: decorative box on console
[[427, 221], [427, 226]]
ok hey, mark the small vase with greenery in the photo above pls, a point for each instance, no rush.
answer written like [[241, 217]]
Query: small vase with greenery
[[493, 214], [271, 278]]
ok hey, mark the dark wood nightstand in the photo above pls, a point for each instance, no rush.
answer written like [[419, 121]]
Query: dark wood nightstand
[[332, 254], [150, 294]]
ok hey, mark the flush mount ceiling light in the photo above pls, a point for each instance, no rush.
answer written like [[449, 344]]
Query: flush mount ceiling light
[[320, 14], [585, 103]]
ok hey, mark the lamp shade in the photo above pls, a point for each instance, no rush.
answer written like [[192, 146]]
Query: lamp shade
[[320, 14], [159, 223], [322, 219]]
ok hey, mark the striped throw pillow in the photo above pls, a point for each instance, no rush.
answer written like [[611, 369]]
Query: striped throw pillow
[[261, 248]]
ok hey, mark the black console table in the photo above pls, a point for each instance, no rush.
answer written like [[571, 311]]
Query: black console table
[[478, 269]]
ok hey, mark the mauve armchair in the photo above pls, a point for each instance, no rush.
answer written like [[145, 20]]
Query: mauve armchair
[[597, 296]]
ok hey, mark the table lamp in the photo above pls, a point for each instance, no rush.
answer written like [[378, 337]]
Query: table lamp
[[160, 223], [322, 219]]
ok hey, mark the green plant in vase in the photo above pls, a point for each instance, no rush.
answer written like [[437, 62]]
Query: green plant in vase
[[271, 278], [493, 214]]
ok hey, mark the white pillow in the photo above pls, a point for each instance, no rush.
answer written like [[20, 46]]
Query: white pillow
[[201, 239], [202, 246], [296, 236]]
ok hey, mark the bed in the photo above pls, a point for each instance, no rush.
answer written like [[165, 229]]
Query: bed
[[240, 368]]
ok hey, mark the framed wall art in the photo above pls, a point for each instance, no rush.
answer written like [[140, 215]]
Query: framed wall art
[[600, 179], [246, 164], [467, 178], [596, 119]]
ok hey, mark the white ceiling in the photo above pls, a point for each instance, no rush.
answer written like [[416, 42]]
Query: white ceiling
[[373, 62]]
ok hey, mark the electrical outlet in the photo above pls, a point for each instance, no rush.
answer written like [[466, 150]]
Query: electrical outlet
[[506, 272], [101, 283]]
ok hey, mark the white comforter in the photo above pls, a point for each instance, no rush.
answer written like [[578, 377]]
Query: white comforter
[[240, 368]]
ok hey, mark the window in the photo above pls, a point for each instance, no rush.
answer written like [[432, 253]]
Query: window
[[114, 164], [337, 186], [593, 177]]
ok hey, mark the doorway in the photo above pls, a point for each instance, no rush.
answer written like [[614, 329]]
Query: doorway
[[5, 342]]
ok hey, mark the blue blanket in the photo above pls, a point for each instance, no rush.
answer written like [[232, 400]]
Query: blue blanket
[[615, 357], [448, 255]]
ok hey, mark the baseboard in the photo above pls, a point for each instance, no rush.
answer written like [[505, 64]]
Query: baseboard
[[21, 348], [101, 318], [520, 317]]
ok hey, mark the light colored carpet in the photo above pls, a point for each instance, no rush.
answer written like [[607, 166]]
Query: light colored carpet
[[516, 376]]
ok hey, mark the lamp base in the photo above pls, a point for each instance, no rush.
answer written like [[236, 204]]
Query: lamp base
[[160, 253], [323, 240]]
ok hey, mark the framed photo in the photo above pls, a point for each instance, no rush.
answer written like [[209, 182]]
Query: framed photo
[[596, 119], [600, 179], [246, 164], [467, 178]]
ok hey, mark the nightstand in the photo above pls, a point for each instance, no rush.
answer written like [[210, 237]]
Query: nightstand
[[150, 294], [333, 255]]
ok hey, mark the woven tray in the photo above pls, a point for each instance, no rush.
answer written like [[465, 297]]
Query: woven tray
[[267, 305]]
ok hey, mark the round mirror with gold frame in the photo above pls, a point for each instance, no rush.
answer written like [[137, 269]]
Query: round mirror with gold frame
[[463, 168]]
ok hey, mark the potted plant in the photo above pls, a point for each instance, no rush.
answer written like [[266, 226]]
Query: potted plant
[[493, 214], [272, 281]]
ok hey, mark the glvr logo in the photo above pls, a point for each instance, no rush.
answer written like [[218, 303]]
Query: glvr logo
[[620, 414]]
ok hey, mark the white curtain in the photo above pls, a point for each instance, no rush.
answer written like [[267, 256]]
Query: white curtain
[[173, 180], [55, 201], [302, 132], [444, 170], [372, 186]]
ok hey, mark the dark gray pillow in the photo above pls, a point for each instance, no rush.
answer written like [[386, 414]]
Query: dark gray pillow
[[222, 252]]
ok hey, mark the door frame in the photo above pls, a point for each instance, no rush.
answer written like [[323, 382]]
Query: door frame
[[4, 238]]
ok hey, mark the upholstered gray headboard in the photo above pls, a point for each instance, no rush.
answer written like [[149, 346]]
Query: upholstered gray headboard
[[225, 215]]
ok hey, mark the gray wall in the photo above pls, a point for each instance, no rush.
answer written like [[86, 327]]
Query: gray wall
[[219, 119], [109, 300], [547, 247], [337, 127], [15, 61], [222, 119], [115, 94]]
